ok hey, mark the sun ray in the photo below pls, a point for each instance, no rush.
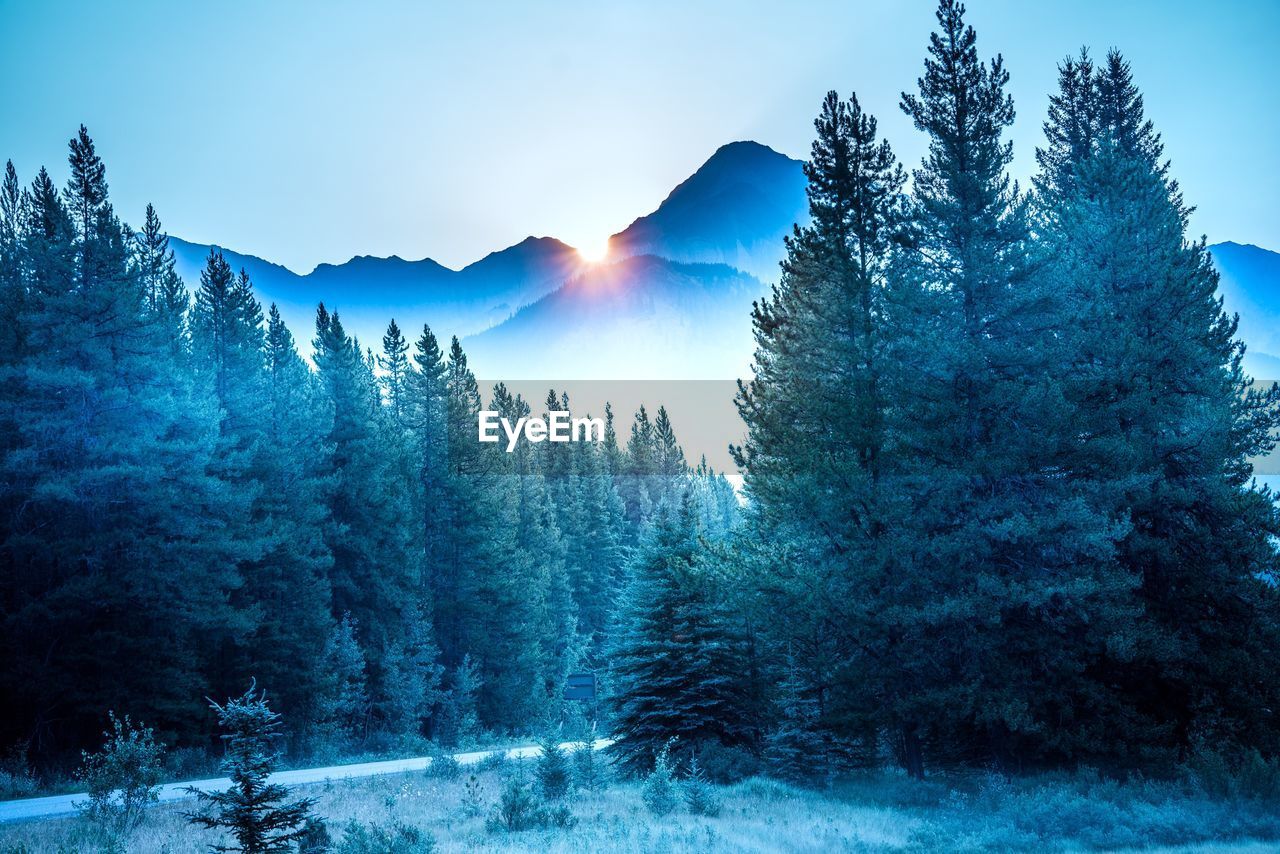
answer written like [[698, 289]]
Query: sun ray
[[594, 251]]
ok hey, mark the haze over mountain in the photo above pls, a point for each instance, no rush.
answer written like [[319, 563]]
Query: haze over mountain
[[671, 301], [1250, 287], [642, 317], [369, 291]]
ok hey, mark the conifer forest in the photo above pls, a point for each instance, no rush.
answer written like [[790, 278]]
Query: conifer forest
[[997, 514]]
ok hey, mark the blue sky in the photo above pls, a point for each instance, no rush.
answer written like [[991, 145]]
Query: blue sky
[[311, 132]]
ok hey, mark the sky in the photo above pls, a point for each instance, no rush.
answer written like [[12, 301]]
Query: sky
[[314, 132]]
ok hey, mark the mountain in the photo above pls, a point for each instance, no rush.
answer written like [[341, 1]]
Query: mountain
[[675, 300], [1250, 286], [734, 210], [640, 317], [702, 255], [369, 291]]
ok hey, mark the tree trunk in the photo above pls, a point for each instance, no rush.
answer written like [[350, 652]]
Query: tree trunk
[[911, 755]]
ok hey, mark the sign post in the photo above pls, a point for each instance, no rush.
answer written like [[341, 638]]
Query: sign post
[[582, 687]]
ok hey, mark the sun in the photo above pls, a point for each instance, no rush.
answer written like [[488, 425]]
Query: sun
[[594, 251]]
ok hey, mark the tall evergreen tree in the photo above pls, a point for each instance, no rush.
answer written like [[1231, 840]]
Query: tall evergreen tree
[[13, 216], [394, 362], [108, 501], [814, 458], [373, 533], [1167, 424], [288, 583], [1004, 564], [678, 669]]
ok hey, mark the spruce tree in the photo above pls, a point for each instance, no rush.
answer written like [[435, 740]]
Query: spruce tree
[[343, 697], [999, 569], [121, 546], [678, 668], [289, 582], [816, 542], [13, 217], [1167, 424], [252, 811], [166, 294], [394, 362], [374, 535]]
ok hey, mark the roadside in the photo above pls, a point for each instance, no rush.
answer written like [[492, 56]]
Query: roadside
[[61, 805]]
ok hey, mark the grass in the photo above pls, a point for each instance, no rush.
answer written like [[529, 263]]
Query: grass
[[875, 812]]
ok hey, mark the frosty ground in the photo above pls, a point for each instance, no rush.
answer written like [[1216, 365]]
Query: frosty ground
[[875, 812]]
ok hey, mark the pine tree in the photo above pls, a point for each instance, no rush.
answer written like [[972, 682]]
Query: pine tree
[[343, 707], [252, 811], [820, 519], [394, 362], [638, 467], [166, 295], [699, 795], [412, 680], [120, 546], [458, 722], [595, 544], [999, 568], [1167, 423], [288, 583], [227, 339], [796, 749], [374, 506], [678, 670], [13, 216], [552, 772]]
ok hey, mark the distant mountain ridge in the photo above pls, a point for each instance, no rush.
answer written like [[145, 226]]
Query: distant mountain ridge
[[672, 301], [1249, 282], [733, 211], [369, 291]]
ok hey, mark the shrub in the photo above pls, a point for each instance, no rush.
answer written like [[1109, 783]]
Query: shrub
[[699, 795], [495, 761], [315, 838], [190, 763], [16, 779], [587, 771], [122, 778], [17, 785], [767, 789], [660, 793], [553, 770], [443, 766], [558, 816], [519, 809], [395, 838], [726, 765], [1248, 775]]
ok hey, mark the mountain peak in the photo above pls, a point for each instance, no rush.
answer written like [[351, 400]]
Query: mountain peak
[[735, 209], [744, 149]]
